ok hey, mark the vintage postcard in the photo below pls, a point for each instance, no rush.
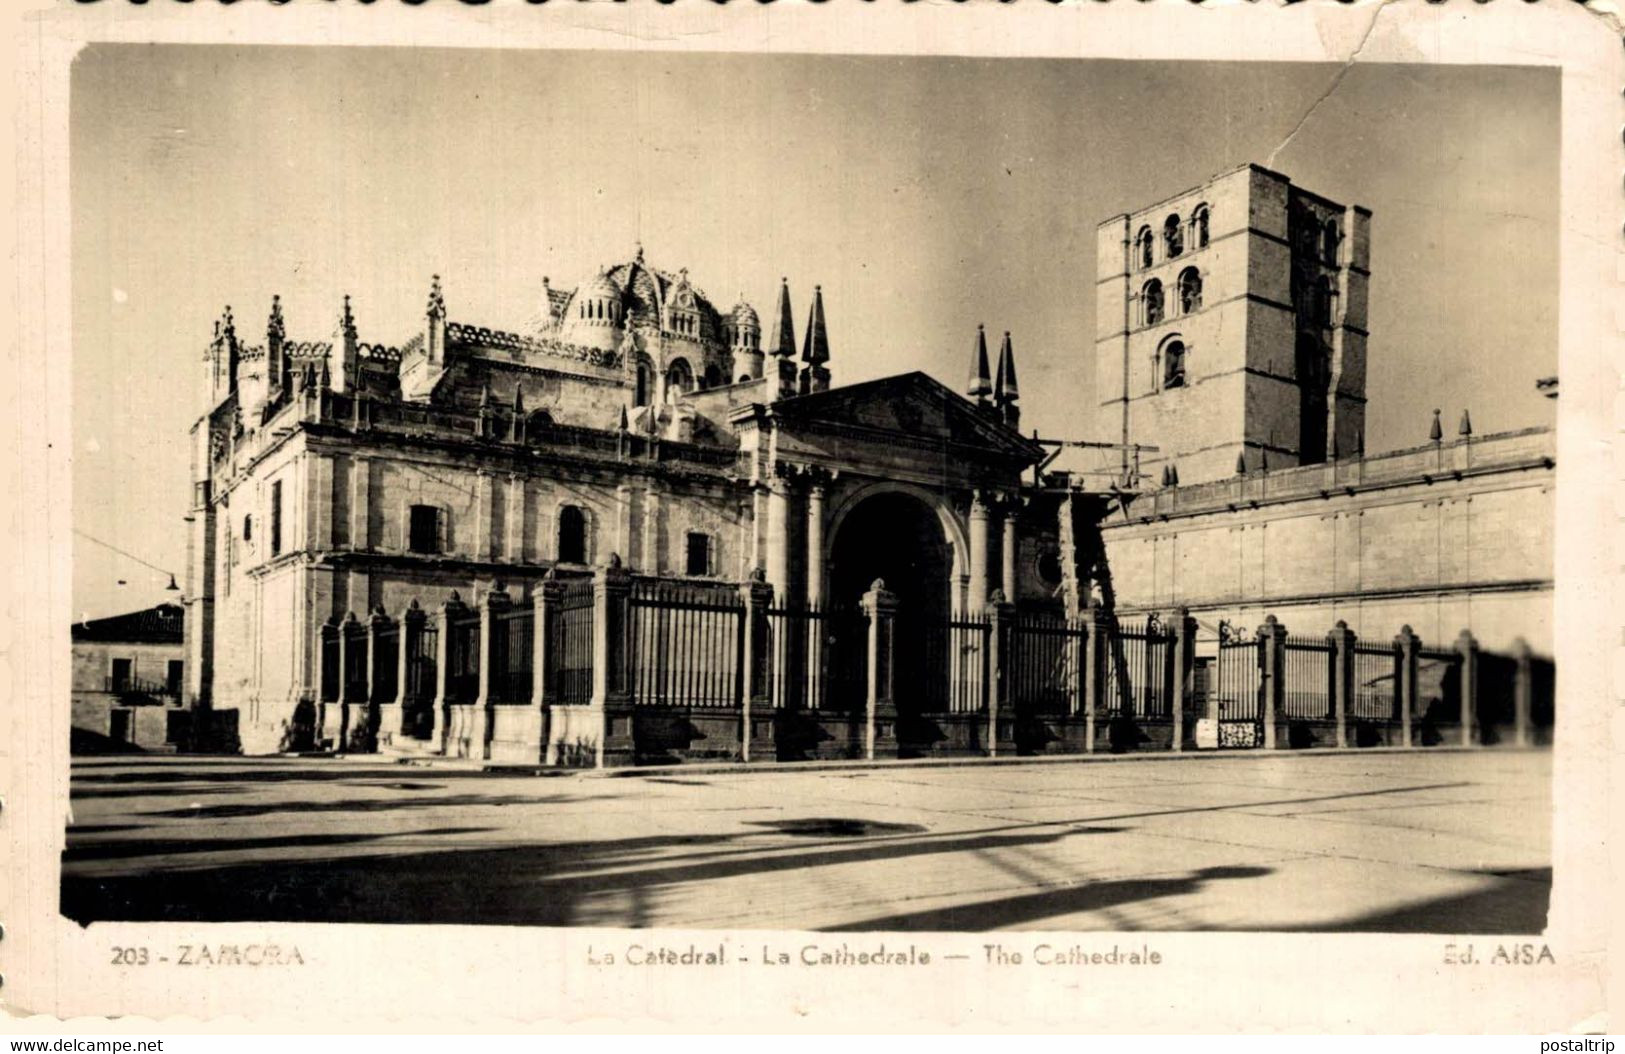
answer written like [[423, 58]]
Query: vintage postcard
[[1042, 517]]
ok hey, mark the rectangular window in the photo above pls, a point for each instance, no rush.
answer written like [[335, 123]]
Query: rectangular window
[[120, 679], [172, 676], [423, 529], [699, 553], [276, 517]]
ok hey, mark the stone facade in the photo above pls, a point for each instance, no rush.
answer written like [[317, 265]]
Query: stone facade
[[128, 674]]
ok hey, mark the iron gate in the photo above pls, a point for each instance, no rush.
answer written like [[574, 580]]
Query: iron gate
[[1238, 691]]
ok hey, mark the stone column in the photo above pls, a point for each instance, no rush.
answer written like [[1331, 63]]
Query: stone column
[[815, 587], [976, 599], [1467, 646], [757, 738], [778, 536], [349, 636], [1342, 640], [611, 698], [360, 498], [1523, 692], [1273, 637], [650, 542], [412, 620], [1184, 627], [485, 488], [513, 525], [1001, 709], [1007, 554], [377, 623], [623, 520], [1408, 644], [479, 727], [1094, 667], [880, 711], [440, 716]]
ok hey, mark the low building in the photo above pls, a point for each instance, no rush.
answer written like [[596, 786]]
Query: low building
[[128, 673]]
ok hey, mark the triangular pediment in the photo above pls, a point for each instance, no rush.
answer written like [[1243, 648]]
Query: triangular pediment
[[913, 406]]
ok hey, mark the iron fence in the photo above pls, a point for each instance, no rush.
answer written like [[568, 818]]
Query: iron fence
[[570, 646], [1376, 682], [463, 657], [513, 646], [1438, 686], [385, 663], [1044, 669], [818, 659], [330, 664], [1308, 669], [952, 674], [686, 644], [1139, 670]]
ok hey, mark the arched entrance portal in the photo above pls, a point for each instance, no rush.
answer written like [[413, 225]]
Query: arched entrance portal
[[898, 538]]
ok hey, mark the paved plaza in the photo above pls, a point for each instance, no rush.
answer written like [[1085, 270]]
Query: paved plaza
[[1449, 842]]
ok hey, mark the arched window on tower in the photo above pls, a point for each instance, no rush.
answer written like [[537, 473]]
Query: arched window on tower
[[1314, 378], [1151, 302], [1199, 219], [1190, 291], [1173, 364], [1323, 303], [1330, 239], [679, 380], [1173, 236], [643, 385], [1144, 247], [572, 535]]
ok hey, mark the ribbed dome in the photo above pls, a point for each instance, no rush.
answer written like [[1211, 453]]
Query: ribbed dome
[[593, 317], [602, 286], [745, 315]]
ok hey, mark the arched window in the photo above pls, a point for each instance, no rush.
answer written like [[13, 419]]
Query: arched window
[[1144, 250], [572, 535], [679, 380], [1151, 302], [1199, 227], [1173, 236], [1190, 291], [644, 382], [744, 377], [713, 377], [1323, 303], [1330, 239], [1314, 378], [1173, 364], [248, 528]]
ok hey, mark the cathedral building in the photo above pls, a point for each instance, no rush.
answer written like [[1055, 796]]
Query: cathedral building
[[632, 423]]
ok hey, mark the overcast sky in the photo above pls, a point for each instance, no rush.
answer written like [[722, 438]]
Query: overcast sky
[[925, 194]]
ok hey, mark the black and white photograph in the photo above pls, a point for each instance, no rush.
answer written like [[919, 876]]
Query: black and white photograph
[[1042, 504]]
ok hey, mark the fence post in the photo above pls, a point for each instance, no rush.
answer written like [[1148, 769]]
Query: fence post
[[1467, 645], [611, 592], [1342, 640], [545, 600], [347, 639], [1184, 674], [440, 718], [323, 716], [377, 622], [880, 709], [479, 727], [1408, 644], [1094, 659], [1001, 704], [756, 738], [1272, 639], [411, 632], [1523, 691]]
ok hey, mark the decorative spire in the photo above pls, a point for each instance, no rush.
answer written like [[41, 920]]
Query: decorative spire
[[639, 256], [325, 378], [228, 329], [485, 393], [1436, 433], [437, 302], [815, 351], [518, 400], [785, 327], [1004, 386], [626, 425], [1465, 429], [981, 384], [275, 327], [347, 320], [1241, 463]]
